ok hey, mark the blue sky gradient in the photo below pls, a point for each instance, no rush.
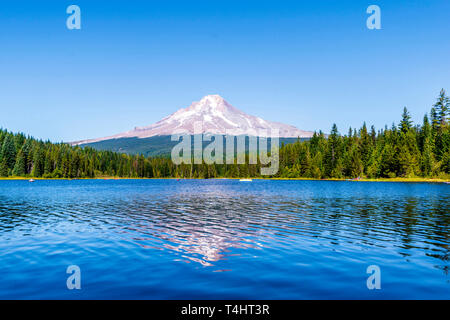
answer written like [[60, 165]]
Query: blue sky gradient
[[305, 63]]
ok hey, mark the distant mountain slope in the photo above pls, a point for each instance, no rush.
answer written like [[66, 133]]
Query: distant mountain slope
[[152, 146], [215, 115]]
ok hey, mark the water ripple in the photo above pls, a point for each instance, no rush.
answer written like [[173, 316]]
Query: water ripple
[[267, 230]]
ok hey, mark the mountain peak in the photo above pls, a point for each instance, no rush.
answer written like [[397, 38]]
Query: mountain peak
[[212, 98], [217, 116], [209, 103]]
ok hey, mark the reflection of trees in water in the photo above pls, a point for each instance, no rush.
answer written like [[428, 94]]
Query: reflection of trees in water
[[404, 223]]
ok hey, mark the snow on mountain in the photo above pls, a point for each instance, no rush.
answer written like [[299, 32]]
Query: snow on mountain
[[215, 116]]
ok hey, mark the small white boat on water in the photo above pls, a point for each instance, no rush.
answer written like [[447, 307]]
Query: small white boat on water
[[245, 180], [31, 180]]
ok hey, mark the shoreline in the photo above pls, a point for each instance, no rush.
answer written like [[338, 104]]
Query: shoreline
[[425, 180]]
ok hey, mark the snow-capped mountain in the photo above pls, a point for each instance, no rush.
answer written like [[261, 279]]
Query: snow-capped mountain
[[215, 116]]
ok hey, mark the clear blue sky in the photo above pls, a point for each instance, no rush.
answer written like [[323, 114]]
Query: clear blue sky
[[305, 63]]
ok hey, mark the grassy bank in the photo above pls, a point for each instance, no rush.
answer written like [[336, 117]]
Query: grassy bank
[[416, 179], [431, 180]]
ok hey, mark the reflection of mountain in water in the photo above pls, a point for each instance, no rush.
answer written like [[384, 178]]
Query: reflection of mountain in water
[[201, 231]]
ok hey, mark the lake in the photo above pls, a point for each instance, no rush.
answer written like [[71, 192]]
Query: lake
[[224, 239]]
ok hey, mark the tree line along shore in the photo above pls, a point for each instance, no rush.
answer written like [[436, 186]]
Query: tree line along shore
[[403, 152]]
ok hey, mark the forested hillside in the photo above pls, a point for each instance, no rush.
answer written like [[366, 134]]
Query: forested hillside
[[155, 146], [403, 150]]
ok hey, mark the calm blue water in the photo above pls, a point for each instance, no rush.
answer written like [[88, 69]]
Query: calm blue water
[[211, 239]]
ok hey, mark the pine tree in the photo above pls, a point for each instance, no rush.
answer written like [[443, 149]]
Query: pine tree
[[441, 133], [4, 171], [305, 165], [426, 148], [365, 145], [356, 164], [445, 164], [20, 165], [38, 162], [434, 119], [27, 151], [389, 162], [404, 162], [373, 168], [442, 107], [427, 160], [406, 123], [8, 151], [333, 152]]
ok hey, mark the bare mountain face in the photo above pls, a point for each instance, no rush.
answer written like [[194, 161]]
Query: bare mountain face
[[215, 116]]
